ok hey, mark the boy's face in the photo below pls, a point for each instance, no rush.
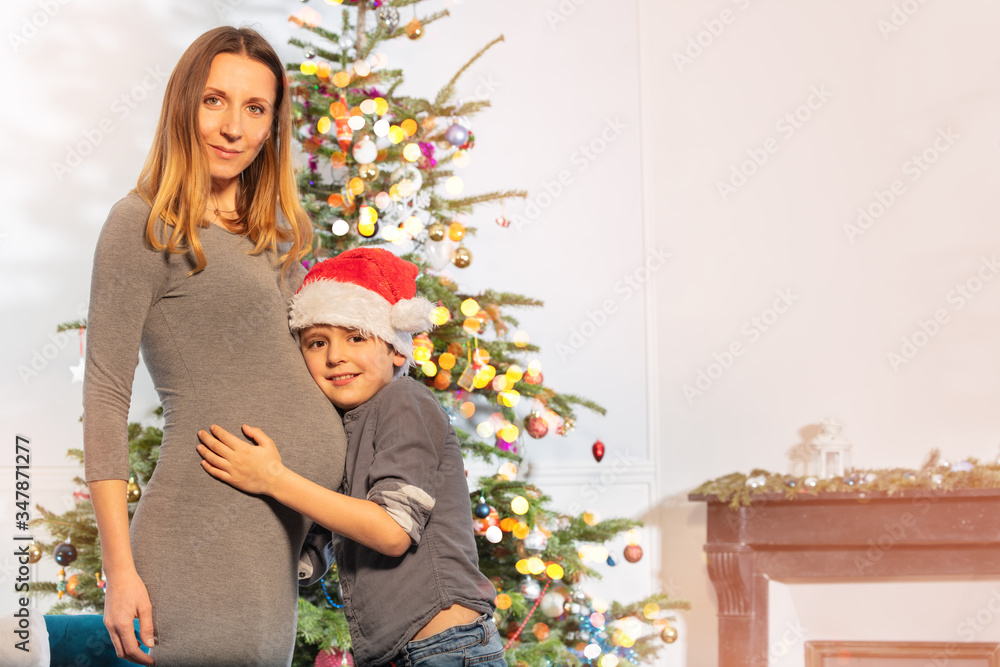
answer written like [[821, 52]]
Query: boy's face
[[348, 367]]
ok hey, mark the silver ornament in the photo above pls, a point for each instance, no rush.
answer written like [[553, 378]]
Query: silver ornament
[[388, 17]]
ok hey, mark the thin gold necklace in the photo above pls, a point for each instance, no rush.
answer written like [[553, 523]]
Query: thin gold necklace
[[216, 210]]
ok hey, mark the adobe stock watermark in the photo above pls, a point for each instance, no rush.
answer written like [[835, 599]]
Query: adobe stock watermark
[[712, 29], [787, 126], [584, 156], [562, 12], [629, 284], [121, 107], [751, 331], [899, 16], [591, 492], [485, 87], [223, 8], [793, 635], [928, 328], [46, 353], [913, 169], [32, 23]]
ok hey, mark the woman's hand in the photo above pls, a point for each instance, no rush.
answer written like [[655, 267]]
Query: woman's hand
[[249, 468], [125, 600]]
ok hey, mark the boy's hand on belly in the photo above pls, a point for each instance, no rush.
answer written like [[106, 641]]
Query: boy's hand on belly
[[249, 468]]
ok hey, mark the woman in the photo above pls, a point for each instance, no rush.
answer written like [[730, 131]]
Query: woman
[[196, 265]]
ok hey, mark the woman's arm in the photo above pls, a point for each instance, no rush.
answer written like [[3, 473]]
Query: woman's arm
[[126, 596], [258, 469], [127, 279]]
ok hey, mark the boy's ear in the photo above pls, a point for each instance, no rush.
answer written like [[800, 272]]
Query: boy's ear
[[398, 360]]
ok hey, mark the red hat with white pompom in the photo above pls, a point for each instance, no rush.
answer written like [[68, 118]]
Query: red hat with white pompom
[[368, 289]]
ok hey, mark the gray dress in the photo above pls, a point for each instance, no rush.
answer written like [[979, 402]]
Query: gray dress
[[219, 564]]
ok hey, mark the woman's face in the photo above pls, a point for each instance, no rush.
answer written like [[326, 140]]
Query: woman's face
[[235, 116]]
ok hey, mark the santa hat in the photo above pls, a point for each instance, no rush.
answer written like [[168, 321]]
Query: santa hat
[[368, 289]]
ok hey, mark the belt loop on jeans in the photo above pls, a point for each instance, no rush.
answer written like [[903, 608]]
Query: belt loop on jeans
[[486, 630]]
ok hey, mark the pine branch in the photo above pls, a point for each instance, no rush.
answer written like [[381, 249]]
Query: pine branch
[[448, 90]]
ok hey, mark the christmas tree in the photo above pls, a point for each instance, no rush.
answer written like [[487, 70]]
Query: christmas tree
[[376, 164]]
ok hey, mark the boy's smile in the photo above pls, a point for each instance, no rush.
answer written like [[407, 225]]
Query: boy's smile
[[348, 367]]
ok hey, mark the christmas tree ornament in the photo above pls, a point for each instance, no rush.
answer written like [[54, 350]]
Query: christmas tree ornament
[[540, 630], [536, 541], [388, 17], [344, 133], [78, 371], [503, 221], [368, 172], [633, 553], [309, 52], [669, 634], [132, 491], [334, 657], [597, 449], [34, 553], [611, 561], [64, 553], [481, 510], [414, 30], [533, 377], [552, 604], [61, 583], [456, 232], [535, 425], [101, 583], [462, 257], [494, 534], [72, 585], [365, 151], [456, 135], [480, 526], [436, 231], [469, 143], [530, 588]]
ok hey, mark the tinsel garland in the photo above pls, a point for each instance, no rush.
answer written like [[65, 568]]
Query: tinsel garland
[[936, 474]]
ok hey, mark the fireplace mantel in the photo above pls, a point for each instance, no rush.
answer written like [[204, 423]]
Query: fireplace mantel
[[838, 536]]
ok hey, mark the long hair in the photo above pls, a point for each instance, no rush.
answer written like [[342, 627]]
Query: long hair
[[176, 181]]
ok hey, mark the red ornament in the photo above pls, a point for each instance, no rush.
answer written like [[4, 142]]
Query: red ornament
[[333, 657], [480, 526], [633, 552], [533, 378], [503, 221], [535, 425], [598, 450]]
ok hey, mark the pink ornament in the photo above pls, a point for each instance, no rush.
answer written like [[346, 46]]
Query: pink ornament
[[535, 425], [334, 657]]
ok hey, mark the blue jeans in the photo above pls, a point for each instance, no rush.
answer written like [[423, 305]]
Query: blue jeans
[[477, 643]]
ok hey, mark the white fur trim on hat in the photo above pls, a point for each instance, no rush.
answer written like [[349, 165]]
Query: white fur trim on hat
[[355, 307]]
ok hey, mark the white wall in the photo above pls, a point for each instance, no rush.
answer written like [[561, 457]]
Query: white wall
[[887, 99]]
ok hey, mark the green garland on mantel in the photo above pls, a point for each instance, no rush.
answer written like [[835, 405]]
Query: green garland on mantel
[[935, 475]]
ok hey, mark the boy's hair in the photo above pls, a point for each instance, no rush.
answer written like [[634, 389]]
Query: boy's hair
[[367, 289]]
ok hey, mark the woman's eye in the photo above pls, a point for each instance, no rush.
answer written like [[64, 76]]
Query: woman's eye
[[211, 101], [256, 109]]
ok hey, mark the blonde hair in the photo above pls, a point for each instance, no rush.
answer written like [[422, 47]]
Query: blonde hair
[[175, 179]]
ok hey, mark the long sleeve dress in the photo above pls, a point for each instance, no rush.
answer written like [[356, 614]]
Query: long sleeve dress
[[219, 564]]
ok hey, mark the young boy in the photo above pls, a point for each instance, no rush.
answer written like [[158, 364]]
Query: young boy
[[408, 564]]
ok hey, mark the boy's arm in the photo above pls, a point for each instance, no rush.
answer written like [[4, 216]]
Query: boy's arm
[[258, 469]]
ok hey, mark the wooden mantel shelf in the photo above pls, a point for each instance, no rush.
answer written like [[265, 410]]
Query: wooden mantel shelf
[[838, 537]]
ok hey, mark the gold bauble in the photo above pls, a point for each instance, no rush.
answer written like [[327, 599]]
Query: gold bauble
[[669, 634], [462, 257], [414, 30], [72, 585], [368, 172], [34, 553], [436, 231], [456, 231], [132, 491]]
